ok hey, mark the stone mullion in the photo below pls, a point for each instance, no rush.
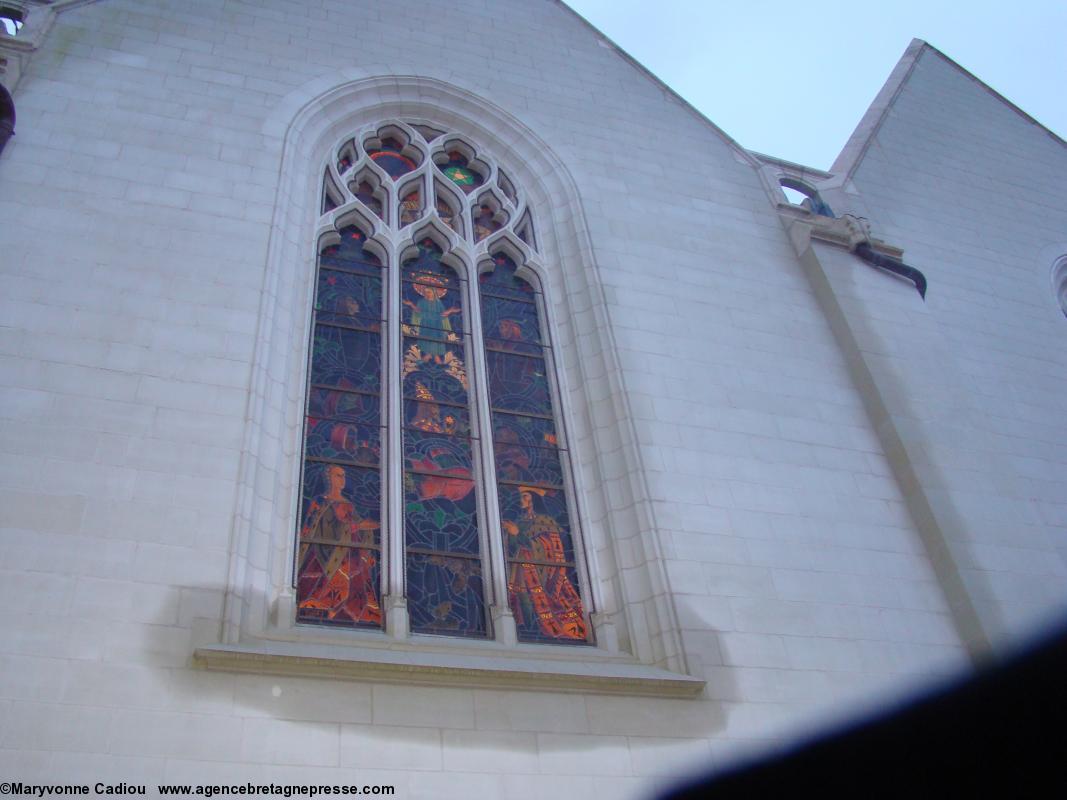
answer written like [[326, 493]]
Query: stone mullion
[[397, 619]]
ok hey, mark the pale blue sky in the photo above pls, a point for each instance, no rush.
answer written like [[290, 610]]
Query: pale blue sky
[[792, 79]]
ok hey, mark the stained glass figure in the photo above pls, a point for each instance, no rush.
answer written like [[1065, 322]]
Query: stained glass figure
[[542, 577], [444, 586], [389, 156], [366, 194], [339, 574], [411, 206], [338, 577], [458, 170]]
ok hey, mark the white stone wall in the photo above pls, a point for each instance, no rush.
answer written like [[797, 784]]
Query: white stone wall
[[973, 191], [137, 201]]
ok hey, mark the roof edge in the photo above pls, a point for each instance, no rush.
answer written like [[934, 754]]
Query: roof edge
[[985, 86], [607, 40], [848, 160], [856, 147]]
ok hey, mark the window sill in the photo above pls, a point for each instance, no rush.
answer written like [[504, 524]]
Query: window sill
[[587, 672]]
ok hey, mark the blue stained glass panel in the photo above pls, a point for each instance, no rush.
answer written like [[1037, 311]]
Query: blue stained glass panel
[[342, 441], [445, 595], [518, 383], [535, 465], [428, 262], [341, 504], [502, 281], [346, 358], [362, 409], [389, 158], [349, 299], [527, 431], [440, 514], [511, 325], [350, 253], [434, 418]]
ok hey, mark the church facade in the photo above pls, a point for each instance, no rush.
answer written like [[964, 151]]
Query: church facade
[[427, 397]]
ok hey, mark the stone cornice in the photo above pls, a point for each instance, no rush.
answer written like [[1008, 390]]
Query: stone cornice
[[590, 675]]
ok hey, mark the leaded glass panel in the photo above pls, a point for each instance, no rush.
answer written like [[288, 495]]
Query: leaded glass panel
[[338, 569], [501, 282], [458, 170], [432, 308], [542, 576], [345, 358], [440, 495], [436, 418], [348, 298], [390, 158], [518, 383], [445, 595]]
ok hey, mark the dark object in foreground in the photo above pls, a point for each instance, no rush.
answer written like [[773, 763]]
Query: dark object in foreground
[[1001, 733]]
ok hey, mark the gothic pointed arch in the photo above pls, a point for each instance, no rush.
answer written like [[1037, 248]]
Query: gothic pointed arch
[[304, 130]]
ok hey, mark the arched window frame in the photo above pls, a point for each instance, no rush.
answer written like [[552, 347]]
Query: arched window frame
[[638, 629], [470, 256]]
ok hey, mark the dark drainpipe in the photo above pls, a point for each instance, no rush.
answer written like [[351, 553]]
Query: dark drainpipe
[[868, 254], [7, 117]]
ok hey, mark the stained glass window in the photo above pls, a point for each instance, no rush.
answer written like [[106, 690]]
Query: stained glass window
[[542, 572], [444, 565], [339, 544], [423, 457]]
